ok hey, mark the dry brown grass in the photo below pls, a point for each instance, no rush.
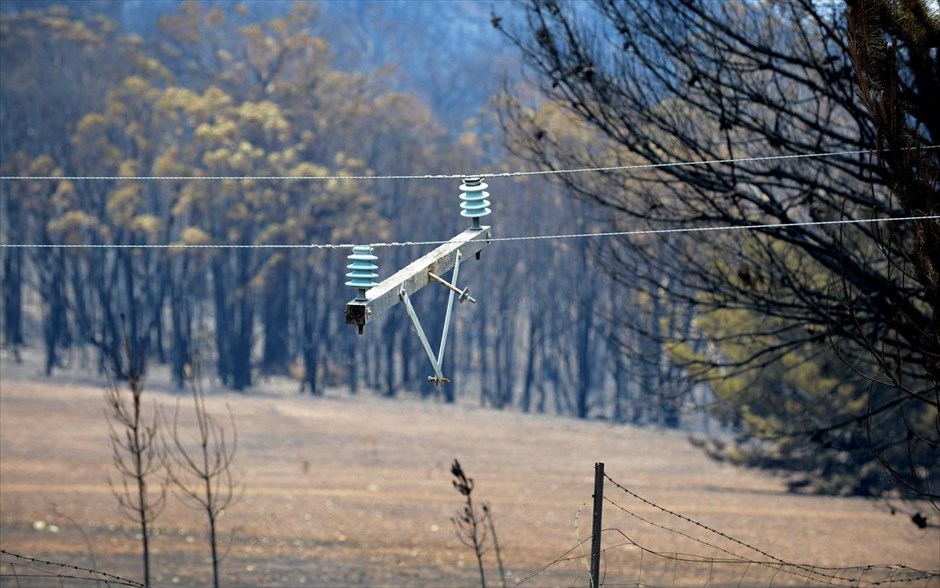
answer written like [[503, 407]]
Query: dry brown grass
[[356, 491]]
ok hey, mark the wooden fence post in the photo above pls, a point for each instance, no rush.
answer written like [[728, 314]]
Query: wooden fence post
[[596, 528]]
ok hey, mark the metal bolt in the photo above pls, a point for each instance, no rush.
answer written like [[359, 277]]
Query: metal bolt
[[464, 294]]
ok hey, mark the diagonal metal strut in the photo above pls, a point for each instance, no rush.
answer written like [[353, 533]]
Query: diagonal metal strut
[[437, 362], [438, 377], [450, 306]]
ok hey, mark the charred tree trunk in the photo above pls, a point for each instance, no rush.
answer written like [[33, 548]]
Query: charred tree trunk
[[12, 281], [243, 326], [275, 315], [223, 318]]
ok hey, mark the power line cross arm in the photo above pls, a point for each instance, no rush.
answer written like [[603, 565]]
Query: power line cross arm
[[415, 275]]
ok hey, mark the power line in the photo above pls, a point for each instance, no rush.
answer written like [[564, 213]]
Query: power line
[[487, 175], [635, 232]]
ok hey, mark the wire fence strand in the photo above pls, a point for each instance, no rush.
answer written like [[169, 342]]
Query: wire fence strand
[[696, 554], [43, 572]]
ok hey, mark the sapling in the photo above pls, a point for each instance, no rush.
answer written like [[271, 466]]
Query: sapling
[[201, 471], [136, 453], [472, 526]]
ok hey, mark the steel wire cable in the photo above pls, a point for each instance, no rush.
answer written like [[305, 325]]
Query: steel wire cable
[[604, 234]]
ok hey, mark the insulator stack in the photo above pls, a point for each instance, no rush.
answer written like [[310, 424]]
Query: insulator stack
[[362, 272], [475, 204]]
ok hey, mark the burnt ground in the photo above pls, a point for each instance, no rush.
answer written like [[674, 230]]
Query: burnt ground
[[356, 491]]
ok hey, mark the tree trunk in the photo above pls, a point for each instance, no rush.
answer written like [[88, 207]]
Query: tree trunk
[[12, 283], [275, 314], [243, 335], [223, 319]]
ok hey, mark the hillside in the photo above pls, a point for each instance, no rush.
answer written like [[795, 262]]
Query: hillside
[[348, 491], [445, 52]]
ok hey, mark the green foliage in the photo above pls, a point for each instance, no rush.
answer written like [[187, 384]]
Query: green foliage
[[804, 411], [814, 338], [219, 95]]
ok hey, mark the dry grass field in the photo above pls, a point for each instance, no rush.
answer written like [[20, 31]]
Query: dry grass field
[[356, 491]]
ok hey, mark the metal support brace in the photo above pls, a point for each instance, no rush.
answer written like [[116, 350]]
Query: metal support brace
[[438, 377], [450, 306], [436, 362]]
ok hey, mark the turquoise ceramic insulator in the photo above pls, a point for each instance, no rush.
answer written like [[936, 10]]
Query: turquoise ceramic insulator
[[474, 196], [362, 269]]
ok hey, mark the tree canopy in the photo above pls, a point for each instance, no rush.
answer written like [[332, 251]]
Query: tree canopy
[[814, 344], [744, 83]]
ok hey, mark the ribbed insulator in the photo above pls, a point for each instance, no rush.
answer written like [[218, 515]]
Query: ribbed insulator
[[362, 270], [474, 196]]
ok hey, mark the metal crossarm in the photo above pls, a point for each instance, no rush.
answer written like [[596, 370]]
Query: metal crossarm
[[373, 299], [415, 276]]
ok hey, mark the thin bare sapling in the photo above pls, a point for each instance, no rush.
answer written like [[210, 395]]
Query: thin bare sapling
[[136, 452], [201, 468], [474, 527]]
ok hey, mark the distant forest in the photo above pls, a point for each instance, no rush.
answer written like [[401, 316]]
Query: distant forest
[[215, 92], [748, 331]]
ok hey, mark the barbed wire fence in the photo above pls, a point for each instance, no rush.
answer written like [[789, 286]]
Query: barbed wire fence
[[690, 554], [641, 544], [24, 571]]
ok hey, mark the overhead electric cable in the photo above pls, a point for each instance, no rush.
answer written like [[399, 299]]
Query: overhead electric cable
[[487, 175], [634, 232]]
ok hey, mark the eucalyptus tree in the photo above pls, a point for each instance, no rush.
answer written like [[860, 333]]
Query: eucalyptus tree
[[748, 86]]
